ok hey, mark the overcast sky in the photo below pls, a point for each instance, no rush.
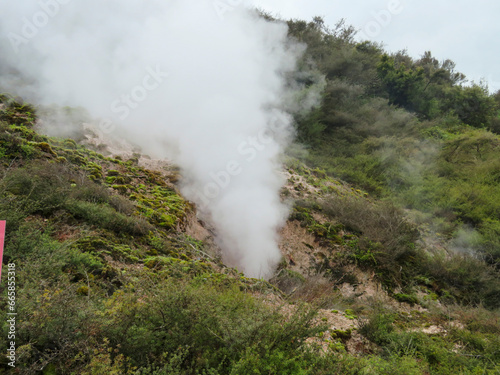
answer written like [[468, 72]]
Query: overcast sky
[[465, 31]]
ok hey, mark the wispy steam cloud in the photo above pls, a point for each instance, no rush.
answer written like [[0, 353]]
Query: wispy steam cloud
[[182, 82]]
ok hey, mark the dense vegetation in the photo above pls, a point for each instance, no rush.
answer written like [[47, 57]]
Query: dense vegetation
[[407, 130], [109, 282]]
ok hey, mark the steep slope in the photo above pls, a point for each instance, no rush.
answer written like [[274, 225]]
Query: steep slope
[[115, 273]]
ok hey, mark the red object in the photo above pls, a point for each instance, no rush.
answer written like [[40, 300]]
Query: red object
[[2, 239]]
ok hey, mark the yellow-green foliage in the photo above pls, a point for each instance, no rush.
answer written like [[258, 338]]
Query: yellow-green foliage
[[177, 267], [162, 206]]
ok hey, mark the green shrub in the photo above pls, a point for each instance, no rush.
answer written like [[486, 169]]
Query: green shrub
[[56, 321], [401, 297], [288, 280], [91, 192], [386, 240], [378, 327], [41, 187], [218, 327], [106, 217], [469, 279]]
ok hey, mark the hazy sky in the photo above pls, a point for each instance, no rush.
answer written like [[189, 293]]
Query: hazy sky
[[467, 32]]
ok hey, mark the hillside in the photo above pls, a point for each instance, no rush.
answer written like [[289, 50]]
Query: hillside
[[390, 255]]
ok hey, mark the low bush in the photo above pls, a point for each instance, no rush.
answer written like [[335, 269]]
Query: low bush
[[385, 240], [469, 279], [104, 216], [223, 329], [458, 353]]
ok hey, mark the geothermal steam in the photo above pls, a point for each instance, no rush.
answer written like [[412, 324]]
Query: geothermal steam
[[200, 82]]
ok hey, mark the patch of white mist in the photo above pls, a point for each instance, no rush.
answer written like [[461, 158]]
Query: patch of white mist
[[184, 83]]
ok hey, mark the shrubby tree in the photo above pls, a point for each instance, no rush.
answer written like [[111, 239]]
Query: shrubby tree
[[472, 104]]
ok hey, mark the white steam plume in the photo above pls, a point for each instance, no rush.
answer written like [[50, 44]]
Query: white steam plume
[[201, 82]]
